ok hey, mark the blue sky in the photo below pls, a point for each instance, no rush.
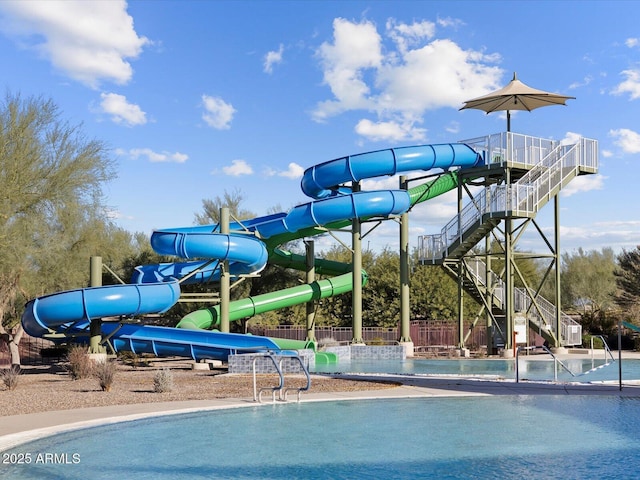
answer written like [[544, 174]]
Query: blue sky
[[196, 97]]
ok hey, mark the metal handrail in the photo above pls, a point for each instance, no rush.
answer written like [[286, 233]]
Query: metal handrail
[[552, 163], [284, 391], [556, 361], [606, 349], [257, 395], [545, 311]]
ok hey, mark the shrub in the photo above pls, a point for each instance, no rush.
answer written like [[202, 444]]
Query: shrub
[[80, 365], [133, 359], [105, 372], [163, 381], [10, 377]]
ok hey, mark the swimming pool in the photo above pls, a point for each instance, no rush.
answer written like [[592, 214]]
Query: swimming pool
[[545, 436], [537, 369]]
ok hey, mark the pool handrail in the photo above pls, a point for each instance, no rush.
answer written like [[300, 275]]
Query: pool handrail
[[284, 391], [606, 349], [556, 361], [257, 393]]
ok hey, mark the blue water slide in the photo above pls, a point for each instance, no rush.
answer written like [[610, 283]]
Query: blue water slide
[[322, 180], [155, 288], [64, 311], [322, 212], [70, 313], [170, 342], [246, 253]]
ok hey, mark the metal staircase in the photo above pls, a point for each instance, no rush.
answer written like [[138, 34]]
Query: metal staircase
[[540, 312], [548, 167]]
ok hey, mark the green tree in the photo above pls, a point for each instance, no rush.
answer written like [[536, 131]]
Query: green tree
[[588, 285], [627, 277], [211, 208], [587, 279], [51, 203]]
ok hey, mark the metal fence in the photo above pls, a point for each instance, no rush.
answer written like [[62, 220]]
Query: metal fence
[[33, 351], [423, 334]]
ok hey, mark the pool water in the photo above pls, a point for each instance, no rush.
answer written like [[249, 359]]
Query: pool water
[[538, 369], [512, 437]]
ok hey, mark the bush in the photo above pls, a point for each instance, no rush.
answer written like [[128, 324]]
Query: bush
[[80, 365], [105, 372], [10, 377], [163, 381], [133, 359]]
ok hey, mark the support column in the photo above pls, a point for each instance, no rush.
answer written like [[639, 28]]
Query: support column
[[508, 283], [310, 278], [558, 319], [356, 246], [95, 326], [405, 311], [488, 294], [225, 276], [461, 274]]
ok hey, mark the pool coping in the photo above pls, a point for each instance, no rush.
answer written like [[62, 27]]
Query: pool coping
[[20, 429]]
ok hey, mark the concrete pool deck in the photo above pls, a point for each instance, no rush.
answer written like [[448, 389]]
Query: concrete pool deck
[[18, 429]]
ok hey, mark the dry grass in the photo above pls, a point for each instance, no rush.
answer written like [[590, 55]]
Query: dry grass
[[52, 388]]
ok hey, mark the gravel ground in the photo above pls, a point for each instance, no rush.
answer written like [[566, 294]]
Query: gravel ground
[[48, 388]]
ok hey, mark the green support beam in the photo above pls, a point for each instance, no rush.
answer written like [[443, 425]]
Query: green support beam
[[95, 326]]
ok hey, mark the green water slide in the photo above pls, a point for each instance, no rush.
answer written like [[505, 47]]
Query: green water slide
[[341, 283]]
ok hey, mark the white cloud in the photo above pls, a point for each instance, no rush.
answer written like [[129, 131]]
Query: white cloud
[[614, 234], [122, 111], [293, 171], [406, 36], [273, 58], [390, 131], [400, 76], [218, 114], [570, 138], [631, 85], [585, 81], [237, 168], [158, 157], [626, 139], [356, 47], [632, 42], [88, 41], [584, 183]]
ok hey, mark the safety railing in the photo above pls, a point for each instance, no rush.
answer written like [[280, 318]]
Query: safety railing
[[280, 387], [540, 312], [552, 166], [556, 362], [501, 147], [607, 350]]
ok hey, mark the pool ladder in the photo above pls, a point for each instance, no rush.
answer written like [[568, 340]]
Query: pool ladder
[[280, 388]]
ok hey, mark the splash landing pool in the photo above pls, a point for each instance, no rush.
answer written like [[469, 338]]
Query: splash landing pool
[[511, 437], [529, 368]]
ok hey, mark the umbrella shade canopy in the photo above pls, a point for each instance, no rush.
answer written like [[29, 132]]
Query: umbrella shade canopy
[[515, 96]]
